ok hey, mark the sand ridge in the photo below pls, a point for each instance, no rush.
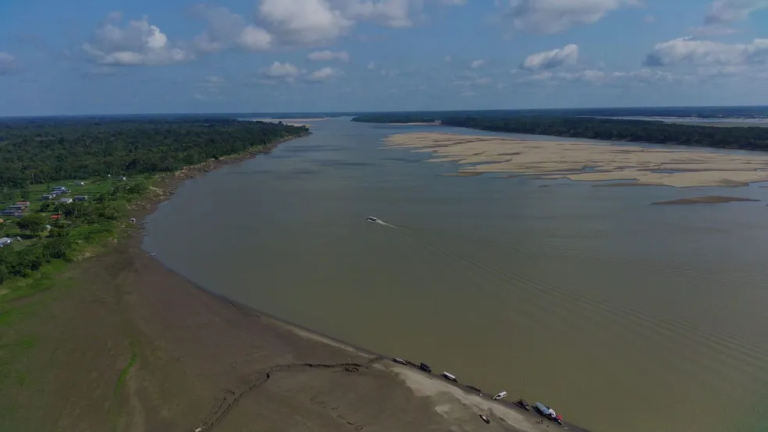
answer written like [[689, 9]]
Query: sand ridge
[[583, 161]]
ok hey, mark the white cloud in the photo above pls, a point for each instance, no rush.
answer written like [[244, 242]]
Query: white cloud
[[713, 30], [598, 77], [304, 21], [328, 56], [284, 71], [323, 74], [477, 64], [255, 38], [138, 43], [8, 64], [390, 13], [687, 50], [226, 29], [555, 16], [728, 11], [566, 55]]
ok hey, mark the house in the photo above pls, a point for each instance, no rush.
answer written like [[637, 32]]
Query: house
[[55, 217], [81, 198], [65, 200], [79, 183], [47, 197], [54, 193], [17, 207], [5, 241], [24, 204], [11, 212]]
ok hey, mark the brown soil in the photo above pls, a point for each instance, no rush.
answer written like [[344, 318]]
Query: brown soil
[[705, 200], [120, 343]]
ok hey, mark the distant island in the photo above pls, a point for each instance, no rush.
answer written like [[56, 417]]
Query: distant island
[[609, 129]]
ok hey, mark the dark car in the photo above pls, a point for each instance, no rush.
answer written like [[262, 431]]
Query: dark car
[[425, 367]]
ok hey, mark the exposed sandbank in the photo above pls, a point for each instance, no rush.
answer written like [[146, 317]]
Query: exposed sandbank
[[705, 200], [581, 161]]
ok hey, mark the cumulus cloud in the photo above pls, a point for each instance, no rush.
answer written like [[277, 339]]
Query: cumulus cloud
[[284, 71], [323, 74], [328, 56], [304, 21], [390, 13], [728, 11], [555, 16], [687, 50], [477, 64], [136, 43], [226, 29], [8, 64], [566, 55]]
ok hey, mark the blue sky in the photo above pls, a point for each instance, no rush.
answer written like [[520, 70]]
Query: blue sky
[[92, 57]]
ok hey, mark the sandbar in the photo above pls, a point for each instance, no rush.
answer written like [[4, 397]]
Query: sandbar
[[705, 200], [587, 161]]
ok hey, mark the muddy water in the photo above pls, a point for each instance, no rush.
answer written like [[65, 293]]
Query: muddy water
[[620, 315]]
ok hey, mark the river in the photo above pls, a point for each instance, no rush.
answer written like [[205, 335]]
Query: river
[[623, 316]]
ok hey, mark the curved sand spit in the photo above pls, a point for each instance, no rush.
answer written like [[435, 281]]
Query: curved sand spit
[[580, 161]]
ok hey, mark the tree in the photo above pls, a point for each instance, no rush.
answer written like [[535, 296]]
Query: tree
[[34, 223]]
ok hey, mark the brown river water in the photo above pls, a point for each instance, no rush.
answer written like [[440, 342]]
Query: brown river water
[[620, 315]]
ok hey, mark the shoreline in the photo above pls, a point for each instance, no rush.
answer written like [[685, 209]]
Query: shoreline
[[124, 343], [374, 359]]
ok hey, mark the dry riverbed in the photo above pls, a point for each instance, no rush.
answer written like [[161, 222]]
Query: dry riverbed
[[581, 161]]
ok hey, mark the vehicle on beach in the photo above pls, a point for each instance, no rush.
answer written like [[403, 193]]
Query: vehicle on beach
[[522, 403], [425, 367], [500, 395], [548, 412], [372, 219], [449, 377], [399, 360]]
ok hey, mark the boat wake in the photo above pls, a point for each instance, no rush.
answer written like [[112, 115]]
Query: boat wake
[[379, 221]]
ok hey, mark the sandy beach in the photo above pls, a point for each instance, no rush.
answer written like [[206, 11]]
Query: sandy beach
[[124, 344], [588, 161]]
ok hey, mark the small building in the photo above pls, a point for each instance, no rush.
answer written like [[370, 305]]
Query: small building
[[24, 204], [81, 198], [47, 197], [123, 178], [5, 241], [11, 212], [59, 188], [65, 200], [17, 207], [79, 183], [54, 193], [55, 217]]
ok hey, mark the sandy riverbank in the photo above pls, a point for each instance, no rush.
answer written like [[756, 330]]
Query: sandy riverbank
[[124, 344], [588, 161]]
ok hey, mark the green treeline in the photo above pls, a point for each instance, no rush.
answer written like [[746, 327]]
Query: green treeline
[[656, 132], [44, 150], [37, 154]]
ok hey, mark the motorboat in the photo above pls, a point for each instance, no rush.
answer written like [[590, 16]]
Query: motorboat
[[485, 419], [500, 395], [399, 360], [425, 367], [372, 219]]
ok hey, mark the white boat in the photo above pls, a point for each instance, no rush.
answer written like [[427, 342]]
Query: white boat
[[500, 395], [449, 377], [372, 219]]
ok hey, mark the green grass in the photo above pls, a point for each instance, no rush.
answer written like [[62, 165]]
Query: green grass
[[127, 369]]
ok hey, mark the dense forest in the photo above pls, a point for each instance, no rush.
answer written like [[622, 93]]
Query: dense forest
[[34, 151], [753, 112], [657, 132]]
